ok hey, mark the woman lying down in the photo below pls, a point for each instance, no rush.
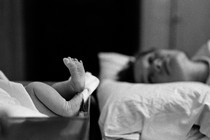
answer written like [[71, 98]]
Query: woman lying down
[[39, 99], [178, 98]]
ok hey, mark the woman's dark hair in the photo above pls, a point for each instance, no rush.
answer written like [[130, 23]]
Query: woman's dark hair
[[126, 74]]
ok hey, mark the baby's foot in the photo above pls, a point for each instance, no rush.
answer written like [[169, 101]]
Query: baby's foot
[[76, 68]]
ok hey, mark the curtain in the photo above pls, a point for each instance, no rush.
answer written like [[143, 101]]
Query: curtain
[[11, 39]]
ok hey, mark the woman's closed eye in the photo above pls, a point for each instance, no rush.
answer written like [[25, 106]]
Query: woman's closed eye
[[151, 59]]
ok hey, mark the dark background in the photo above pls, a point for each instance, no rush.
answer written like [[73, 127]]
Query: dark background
[[56, 29]]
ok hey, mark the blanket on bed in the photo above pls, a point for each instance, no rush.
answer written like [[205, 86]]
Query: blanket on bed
[[153, 111]]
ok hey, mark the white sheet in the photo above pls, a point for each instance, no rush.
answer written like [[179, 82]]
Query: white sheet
[[91, 83], [15, 107], [18, 92], [153, 112]]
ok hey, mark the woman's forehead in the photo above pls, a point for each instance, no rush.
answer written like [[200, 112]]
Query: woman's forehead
[[144, 53], [155, 51]]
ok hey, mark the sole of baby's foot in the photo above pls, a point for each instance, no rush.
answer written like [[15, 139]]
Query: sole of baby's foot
[[77, 71]]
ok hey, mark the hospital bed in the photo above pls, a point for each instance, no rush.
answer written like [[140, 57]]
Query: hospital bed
[[135, 111]]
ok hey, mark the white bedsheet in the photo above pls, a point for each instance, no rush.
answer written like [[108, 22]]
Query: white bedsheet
[[153, 112]]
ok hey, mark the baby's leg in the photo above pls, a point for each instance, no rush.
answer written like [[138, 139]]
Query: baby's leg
[[49, 101]]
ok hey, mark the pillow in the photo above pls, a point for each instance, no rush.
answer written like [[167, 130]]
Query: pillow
[[153, 111], [110, 63]]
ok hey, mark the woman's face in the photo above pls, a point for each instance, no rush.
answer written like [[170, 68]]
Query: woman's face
[[161, 66]]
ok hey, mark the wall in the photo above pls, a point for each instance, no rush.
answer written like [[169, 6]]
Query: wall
[[175, 24], [193, 28], [78, 29], [155, 24], [35, 35]]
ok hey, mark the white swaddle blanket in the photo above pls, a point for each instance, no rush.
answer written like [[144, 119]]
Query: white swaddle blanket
[[16, 102]]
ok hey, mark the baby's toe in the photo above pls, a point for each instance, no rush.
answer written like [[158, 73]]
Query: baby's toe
[[80, 67], [65, 61], [70, 63]]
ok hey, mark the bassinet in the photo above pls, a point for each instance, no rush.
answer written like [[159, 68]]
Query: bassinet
[[53, 128]]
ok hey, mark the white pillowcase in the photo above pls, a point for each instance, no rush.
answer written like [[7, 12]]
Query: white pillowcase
[[111, 63], [153, 111]]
